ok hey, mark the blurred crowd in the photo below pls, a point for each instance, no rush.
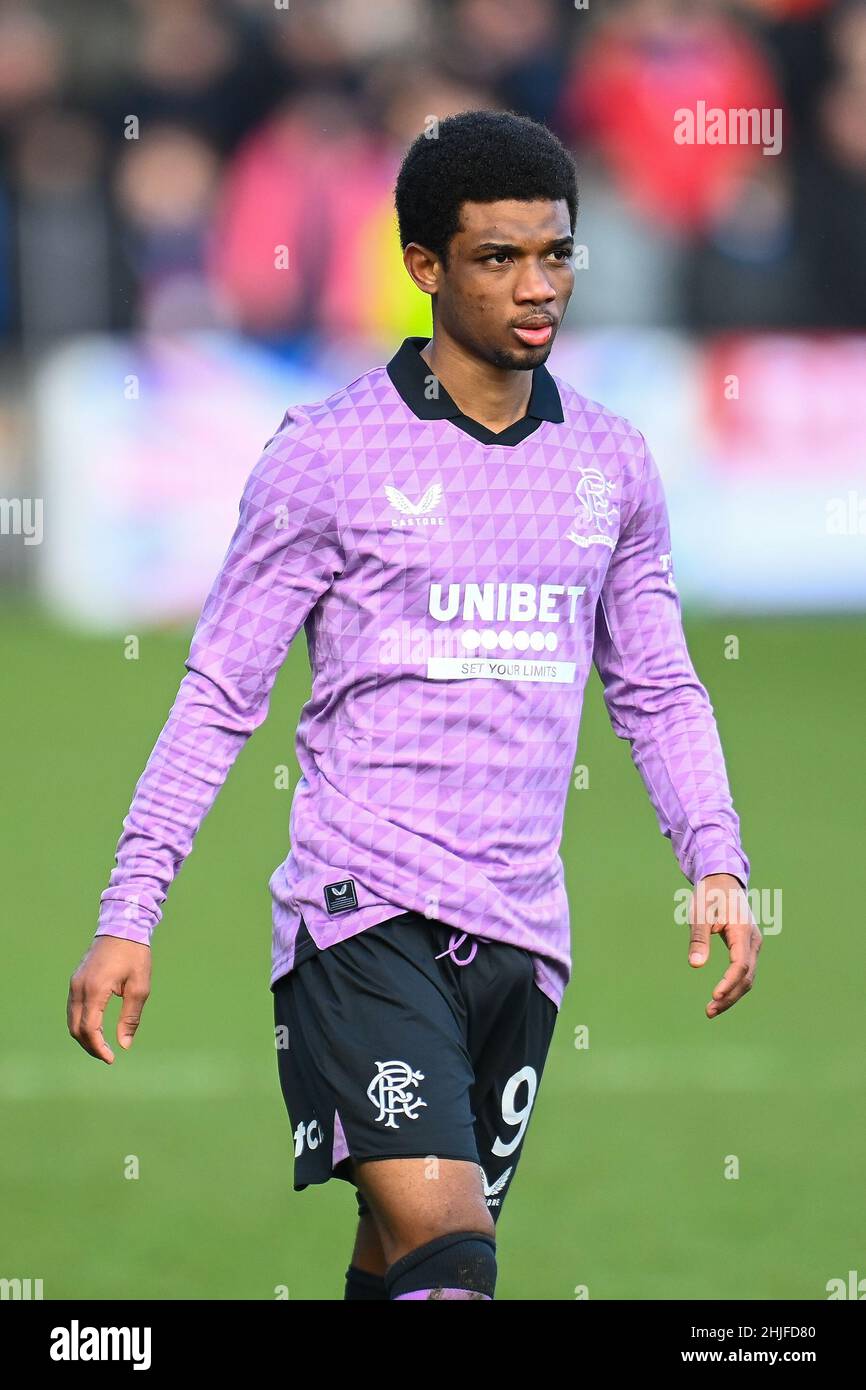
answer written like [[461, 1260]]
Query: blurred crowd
[[174, 164]]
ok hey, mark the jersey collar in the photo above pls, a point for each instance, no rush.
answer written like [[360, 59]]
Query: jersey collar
[[411, 377]]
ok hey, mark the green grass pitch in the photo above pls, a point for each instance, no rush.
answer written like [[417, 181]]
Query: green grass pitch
[[622, 1185]]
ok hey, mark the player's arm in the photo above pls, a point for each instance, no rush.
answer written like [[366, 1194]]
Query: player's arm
[[655, 700], [284, 555]]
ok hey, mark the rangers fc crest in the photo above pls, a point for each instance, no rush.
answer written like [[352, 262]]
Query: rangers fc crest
[[593, 493], [391, 1091]]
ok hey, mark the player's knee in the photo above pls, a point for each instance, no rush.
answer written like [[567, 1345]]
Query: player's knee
[[422, 1226], [459, 1265]]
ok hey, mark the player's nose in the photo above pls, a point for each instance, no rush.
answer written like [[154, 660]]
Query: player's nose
[[535, 286]]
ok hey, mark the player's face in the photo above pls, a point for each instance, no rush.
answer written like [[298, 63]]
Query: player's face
[[509, 279]]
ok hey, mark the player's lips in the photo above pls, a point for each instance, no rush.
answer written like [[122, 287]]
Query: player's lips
[[535, 333]]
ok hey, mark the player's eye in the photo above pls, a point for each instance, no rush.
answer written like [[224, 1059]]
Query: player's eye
[[494, 254]]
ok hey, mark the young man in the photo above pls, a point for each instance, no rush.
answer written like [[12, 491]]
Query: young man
[[461, 534]]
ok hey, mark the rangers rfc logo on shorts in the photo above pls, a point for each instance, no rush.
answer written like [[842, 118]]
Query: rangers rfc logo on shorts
[[391, 1091]]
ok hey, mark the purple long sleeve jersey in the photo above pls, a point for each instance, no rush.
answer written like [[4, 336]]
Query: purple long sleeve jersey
[[455, 586]]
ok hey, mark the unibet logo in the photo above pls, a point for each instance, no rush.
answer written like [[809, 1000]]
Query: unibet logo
[[503, 602]]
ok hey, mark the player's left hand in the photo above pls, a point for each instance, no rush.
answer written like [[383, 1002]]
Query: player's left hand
[[719, 905]]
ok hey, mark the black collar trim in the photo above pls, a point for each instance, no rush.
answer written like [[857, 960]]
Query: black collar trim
[[411, 377]]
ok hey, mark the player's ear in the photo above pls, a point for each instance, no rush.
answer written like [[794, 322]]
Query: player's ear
[[423, 266]]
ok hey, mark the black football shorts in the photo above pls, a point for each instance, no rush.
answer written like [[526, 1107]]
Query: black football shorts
[[411, 1039]]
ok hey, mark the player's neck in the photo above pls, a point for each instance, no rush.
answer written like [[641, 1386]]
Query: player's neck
[[494, 396]]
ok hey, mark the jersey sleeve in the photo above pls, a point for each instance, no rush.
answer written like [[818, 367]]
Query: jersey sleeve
[[654, 698], [285, 553]]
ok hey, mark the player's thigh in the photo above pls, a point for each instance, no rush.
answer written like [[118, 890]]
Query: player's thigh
[[414, 1200], [508, 1075]]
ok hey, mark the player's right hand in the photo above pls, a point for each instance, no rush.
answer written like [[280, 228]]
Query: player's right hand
[[110, 966]]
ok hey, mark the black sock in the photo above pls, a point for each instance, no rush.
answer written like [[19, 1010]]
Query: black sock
[[361, 1284]]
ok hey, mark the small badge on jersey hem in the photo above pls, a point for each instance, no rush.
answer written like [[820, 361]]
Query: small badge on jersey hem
[[340, 897]]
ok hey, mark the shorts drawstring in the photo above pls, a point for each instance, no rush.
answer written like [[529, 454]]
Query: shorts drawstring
[[455, 942]]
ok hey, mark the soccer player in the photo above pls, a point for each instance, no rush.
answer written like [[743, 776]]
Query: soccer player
[[461, 534]]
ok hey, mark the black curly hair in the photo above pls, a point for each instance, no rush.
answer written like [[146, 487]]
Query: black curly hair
[[478, 156]]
